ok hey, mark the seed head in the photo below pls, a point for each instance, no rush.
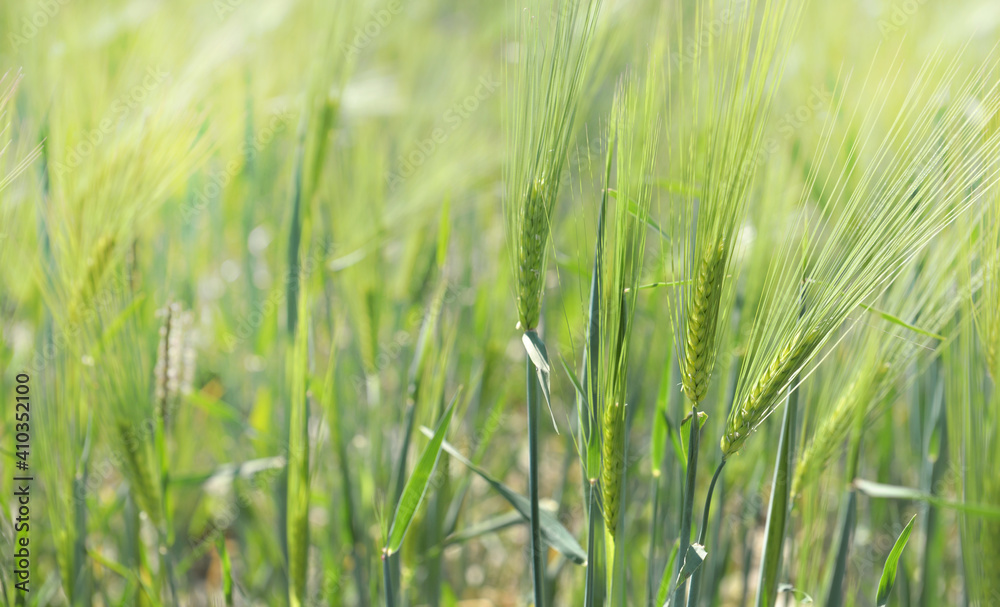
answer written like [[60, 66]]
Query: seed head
[[532, 240], [174, 369], [764, 394], [703, 313], [613, 466]]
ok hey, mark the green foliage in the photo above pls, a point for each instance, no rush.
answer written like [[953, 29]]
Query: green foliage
[[249, 250]]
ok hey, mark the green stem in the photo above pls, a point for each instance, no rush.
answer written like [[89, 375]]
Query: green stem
[[835, 591], [590, 590], [653, 539], [537, 562], [777, 511], [680, 594], [703, 535], [390, 596]]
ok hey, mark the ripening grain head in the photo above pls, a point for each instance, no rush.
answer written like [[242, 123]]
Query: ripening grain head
[[622, 248], [926, 171], [723, 91], [543, 88]]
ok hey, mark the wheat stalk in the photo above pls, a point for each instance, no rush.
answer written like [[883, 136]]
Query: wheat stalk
[[878, 222], [543, 99], [543, 96]]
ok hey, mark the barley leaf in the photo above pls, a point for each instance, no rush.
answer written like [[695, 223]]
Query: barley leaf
[[490, 525], [902, 323], [662, 593], [539, 357], [692, 560], [879, 490], [675, 440], [554, 533], [891, 565], [416, 486]]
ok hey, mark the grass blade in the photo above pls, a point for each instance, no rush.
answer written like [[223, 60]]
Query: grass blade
[[297, 505], [879, 490], [416, 486], [664, 590], [553, 531], [892, 564]]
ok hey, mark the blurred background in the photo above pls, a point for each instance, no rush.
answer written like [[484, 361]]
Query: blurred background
[[197, 188]]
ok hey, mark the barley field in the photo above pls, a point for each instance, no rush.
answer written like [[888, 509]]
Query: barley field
[[529, 302]]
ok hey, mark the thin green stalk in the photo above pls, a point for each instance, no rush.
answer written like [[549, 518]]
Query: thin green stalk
[[835, 595], [594, 515], [390, 595], [680, 594], [537, 562], [654, 537], [703, 535], [777, 511], [848, 516]]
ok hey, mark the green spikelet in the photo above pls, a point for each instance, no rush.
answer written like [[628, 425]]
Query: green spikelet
[[703, 312], [613, 449], [826, 439], [531, 242], [136, 464], [88, 287], [759, 402], [834, 429]]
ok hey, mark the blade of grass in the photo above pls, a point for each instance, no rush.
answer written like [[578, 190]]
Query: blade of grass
[[882, 491], [416, 486], [892, 564], [553, 531]]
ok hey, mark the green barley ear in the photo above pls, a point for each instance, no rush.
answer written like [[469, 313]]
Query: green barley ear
[[96, 268], [543, 94], [134, 453], [613, 463], [633, 144], [8, 86], [531, 249], [760, 400], [925, 171], [703, 312], [884, 349], [123, 353], [833, 431], [722, 90]]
